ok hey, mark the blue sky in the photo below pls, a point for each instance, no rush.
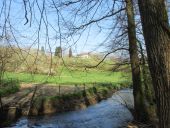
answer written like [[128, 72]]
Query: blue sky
[[27, 35]]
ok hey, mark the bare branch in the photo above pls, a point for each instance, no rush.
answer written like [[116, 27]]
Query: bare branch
[[97, 20], [105, 57]]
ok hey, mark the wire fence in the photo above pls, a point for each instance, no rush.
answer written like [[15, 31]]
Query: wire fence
[[62, 89]]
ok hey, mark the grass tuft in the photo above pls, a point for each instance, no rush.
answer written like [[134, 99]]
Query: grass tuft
[[9, 86]]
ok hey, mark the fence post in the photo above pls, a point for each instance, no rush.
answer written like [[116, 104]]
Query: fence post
[[59, 89], [93, 85], [84, 87], [75, 87], [11, 83]]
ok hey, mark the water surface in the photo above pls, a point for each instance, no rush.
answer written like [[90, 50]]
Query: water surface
[[110, 113]]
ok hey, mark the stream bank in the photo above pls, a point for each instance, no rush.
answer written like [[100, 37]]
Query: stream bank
[[49, 103], [70, 102], [110, 113]]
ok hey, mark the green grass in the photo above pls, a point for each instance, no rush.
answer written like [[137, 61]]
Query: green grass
[[9, 86], [73, 77], [103, 89]]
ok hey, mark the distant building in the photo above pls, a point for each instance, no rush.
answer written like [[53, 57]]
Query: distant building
[[83, 55]]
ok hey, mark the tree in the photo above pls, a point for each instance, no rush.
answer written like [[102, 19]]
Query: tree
[[149, 96], [58, 52], [6, 53], [42, 50], [70, 53], [139, 107], [157, 39], [140, 110], [85, 13]]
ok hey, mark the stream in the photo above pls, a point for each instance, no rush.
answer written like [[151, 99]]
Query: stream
[[110, 113]]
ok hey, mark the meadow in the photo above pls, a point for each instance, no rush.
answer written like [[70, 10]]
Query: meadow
[[72, 77], [64, 71]]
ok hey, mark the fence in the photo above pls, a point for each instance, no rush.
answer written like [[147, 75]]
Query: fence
[[62, 89]]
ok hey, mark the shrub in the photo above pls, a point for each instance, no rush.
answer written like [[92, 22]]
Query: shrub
[[9, 86]]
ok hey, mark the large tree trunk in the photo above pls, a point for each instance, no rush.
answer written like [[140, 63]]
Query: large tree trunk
[[157, 38], [149, 96], [139, 107]]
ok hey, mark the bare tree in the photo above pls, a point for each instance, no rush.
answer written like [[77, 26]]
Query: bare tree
[[124, 29], [5, 54], [139, 105], [70, 53], [111, 15]]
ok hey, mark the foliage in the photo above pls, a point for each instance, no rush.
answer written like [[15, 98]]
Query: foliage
[[5, 54], [70, 53], [42, 50], [58, 52], [28, 61], [9, 86]]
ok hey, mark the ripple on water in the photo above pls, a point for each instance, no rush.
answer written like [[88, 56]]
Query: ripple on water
[[110, 113]]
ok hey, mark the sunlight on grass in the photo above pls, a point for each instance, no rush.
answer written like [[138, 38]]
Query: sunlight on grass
[[73, 77]]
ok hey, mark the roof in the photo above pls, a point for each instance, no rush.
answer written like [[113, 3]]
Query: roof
[[82, 54]]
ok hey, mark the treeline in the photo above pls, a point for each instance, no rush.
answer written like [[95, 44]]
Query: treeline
[[58, 52], [35, 61]]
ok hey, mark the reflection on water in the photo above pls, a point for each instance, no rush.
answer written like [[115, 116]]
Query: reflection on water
[[110, 113]]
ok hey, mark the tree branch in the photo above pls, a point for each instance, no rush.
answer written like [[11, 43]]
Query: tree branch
[[105, 57], [97, 20]]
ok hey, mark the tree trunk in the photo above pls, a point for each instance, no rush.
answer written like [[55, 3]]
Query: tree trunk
[[157, 38], [149, 96], [139, 107]]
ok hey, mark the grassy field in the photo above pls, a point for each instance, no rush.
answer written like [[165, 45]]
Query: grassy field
[[73, 77], [21, 70]]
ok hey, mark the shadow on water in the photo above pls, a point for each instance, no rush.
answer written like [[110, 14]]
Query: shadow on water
[[110, 113]]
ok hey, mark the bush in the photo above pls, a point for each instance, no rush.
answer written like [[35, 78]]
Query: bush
[[9, 86]]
